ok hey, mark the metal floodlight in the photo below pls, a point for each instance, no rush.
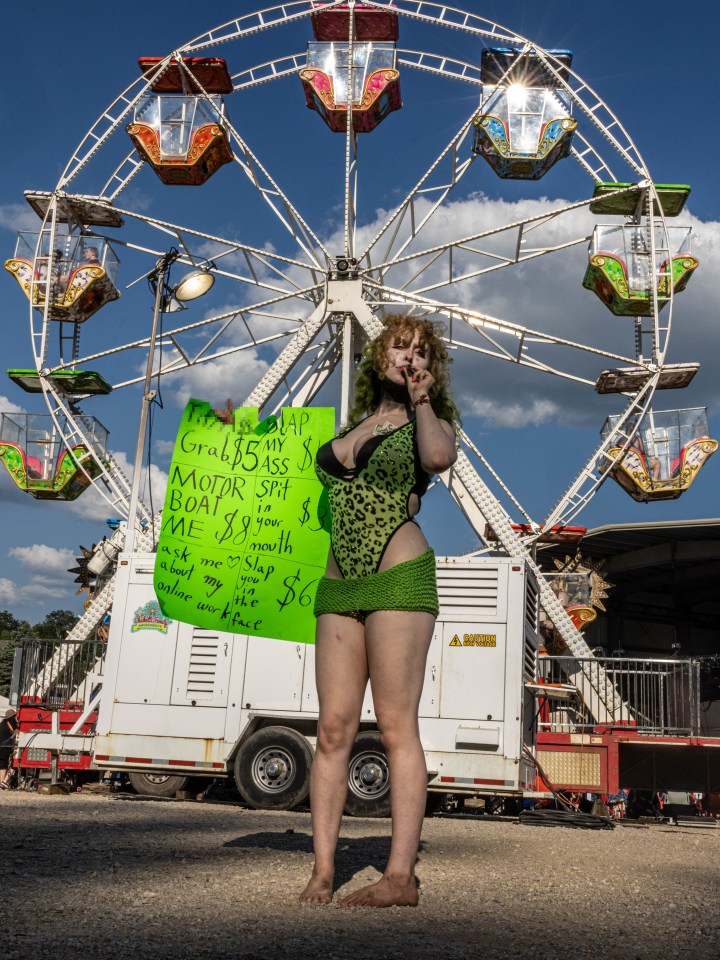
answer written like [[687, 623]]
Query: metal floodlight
[[193, 285]]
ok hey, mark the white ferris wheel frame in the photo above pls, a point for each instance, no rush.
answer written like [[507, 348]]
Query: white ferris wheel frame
[[320, 335]]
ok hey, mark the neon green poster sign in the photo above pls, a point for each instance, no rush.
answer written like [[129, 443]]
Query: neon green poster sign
[[245, 528]]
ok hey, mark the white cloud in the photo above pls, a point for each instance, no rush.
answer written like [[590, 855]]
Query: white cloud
[[7, 406], [41, 557], [12, 595], [231, 377], [9, 592], [513, 416], [164, 447], [18, 216]]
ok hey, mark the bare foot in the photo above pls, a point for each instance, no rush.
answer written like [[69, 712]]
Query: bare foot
[[387, 892], [318, 890]]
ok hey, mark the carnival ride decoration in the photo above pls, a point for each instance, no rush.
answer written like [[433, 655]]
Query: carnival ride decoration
[[633, 269], [33, 451], [179, 125], [579, 584], [623, 260], [525, 124], [301, 300], [665, 454], [352, 63], [333, 22], [71, 383], [73, 273]]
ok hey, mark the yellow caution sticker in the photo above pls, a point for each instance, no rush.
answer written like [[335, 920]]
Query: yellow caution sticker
[[479, 640], [455, 642]]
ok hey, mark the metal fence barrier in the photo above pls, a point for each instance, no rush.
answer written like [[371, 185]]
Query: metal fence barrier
[[659, 697], [60, 674]]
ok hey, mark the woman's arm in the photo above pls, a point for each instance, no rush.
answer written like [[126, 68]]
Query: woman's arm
[[435, 437]]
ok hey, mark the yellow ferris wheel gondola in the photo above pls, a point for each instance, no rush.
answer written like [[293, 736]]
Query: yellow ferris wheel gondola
[[664, 457]]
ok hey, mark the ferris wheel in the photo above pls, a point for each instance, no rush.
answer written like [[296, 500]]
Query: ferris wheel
[[341, 159]]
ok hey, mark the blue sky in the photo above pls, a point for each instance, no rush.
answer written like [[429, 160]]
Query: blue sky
[[651, 69]]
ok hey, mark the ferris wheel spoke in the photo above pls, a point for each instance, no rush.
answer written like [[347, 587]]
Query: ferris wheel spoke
[[450, 169], [521, 229], [487, 325], [286, 213], [230, 316], [497, 262], [184, 361], [275, 263]]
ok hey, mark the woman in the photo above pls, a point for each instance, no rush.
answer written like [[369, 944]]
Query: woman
[[377, 604], [8, 729]]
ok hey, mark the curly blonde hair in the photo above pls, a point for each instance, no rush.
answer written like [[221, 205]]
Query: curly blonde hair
[[369, 386]]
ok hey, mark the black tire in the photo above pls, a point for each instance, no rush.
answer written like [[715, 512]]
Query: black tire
[[157, 784], [272, 769], [368, 778]]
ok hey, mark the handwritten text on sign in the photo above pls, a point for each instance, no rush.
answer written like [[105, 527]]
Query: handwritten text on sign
[[244, 536]]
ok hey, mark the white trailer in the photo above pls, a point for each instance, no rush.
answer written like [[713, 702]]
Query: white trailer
[[178, 701]]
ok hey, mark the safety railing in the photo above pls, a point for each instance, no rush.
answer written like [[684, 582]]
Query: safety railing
[[659, 697], [60, 674]]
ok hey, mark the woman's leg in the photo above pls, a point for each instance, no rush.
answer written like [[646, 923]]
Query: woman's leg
[[397, 644], [341, 675]]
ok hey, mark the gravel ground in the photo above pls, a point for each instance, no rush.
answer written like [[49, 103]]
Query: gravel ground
[[116, 876]]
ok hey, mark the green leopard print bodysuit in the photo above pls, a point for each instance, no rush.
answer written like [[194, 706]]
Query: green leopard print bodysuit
[[369, 502]]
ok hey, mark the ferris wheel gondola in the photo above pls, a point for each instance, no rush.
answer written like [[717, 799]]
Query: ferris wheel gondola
[[319, 292]]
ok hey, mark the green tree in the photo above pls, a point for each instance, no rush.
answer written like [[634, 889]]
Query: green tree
[[21, 631], [56, 625], [8, 623]]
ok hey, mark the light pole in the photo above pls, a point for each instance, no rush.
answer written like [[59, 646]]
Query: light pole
[[193, 285]]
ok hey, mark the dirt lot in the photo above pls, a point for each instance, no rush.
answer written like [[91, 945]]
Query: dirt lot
[[114, 876]]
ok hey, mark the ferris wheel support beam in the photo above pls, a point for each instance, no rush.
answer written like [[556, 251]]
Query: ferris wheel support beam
[[287, 359], [314, 377]]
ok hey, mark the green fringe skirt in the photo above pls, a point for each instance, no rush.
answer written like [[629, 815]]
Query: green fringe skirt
[[406, 586]]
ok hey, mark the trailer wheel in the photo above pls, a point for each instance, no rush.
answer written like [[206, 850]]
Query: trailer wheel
[[157, 784], [368, 778], [272, 769]]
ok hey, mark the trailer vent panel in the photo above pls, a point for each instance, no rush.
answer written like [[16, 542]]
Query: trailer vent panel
[[461, 588], [530, 661], [532, 603], [202, 668]]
